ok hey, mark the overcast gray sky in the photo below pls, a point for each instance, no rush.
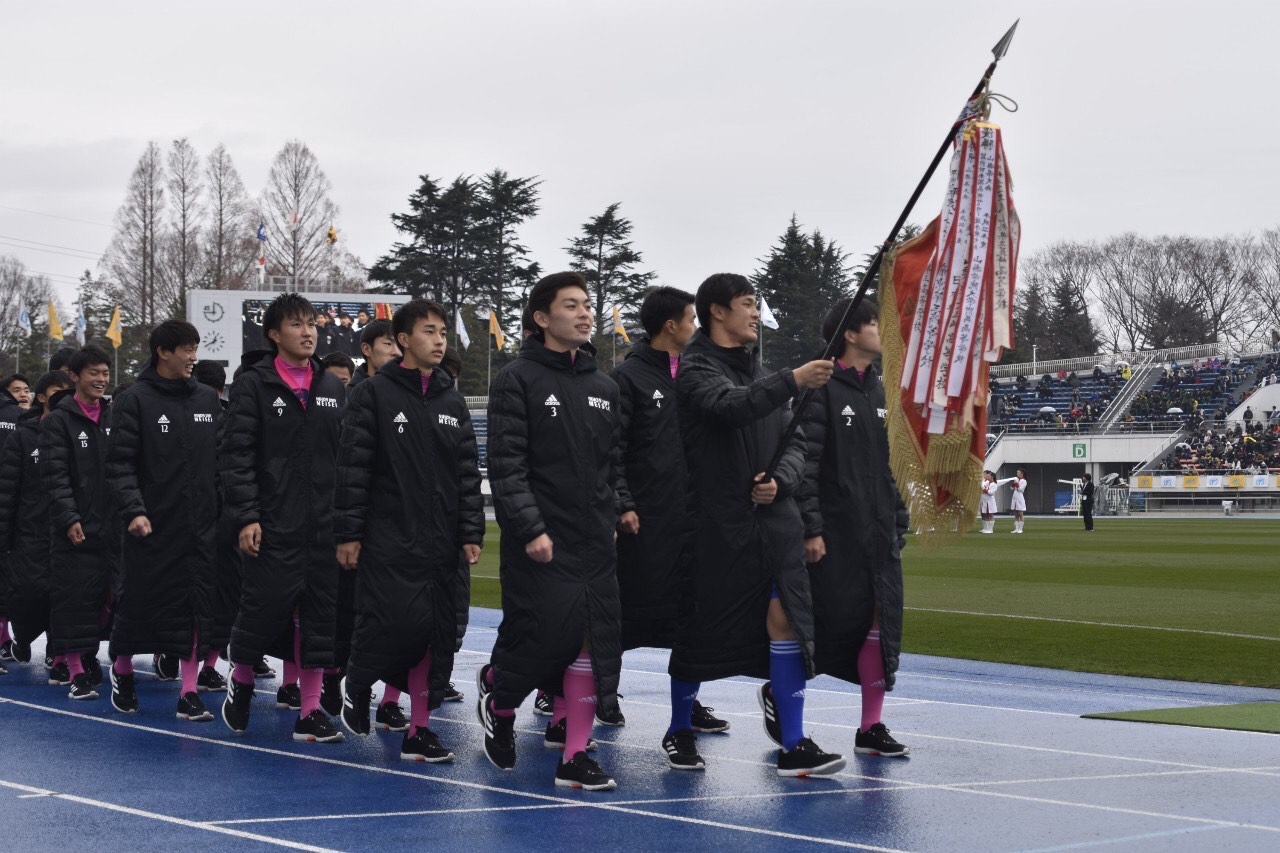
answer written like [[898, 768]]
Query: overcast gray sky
[[710, 121]]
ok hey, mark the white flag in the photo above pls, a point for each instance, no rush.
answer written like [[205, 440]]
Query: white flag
[[82, 325], [460, 327], [766, 316], [24, 318]]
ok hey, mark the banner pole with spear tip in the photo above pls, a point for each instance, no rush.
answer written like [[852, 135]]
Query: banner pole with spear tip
[[833, 346]]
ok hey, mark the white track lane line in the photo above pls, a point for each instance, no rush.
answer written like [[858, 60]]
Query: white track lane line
[[190, 824], [1095, 624]]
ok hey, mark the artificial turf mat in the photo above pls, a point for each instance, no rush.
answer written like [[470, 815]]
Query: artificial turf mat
[[1248, 717]]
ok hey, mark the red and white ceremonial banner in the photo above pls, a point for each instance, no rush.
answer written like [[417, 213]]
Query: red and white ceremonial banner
[[947, 313]]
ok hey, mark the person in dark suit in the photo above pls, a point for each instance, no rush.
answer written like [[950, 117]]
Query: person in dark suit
[[1086, 501]]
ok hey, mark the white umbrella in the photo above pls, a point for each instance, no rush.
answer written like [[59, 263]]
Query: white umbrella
[[1044, 409], [1174, 411], [1122, 363]]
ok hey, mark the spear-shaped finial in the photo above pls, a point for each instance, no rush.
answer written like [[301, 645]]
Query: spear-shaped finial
[[1002, 46]]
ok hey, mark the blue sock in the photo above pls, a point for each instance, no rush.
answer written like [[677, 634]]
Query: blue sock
[[683, 695], [786, 673]]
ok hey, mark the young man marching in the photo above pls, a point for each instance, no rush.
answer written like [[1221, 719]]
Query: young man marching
[[24, 525], [754, 615], [83, 537], [653, 546], [162, 469], [408, 503], [553, 433], [854, 523], [277, 455]]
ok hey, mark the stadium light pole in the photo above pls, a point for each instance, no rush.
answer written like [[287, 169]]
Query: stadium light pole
[[1033, 359]]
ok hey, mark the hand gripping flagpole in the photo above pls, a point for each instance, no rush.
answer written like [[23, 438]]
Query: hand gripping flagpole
[[833, 347]]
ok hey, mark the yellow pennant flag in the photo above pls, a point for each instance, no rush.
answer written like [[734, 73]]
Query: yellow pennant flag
[[55, 328], [496, 330], [113, 330], [617, 325]]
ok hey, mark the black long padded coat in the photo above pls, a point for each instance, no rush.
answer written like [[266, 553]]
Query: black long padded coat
[[553, 436], [277, 464], [732, 417], [851, 500], [653, 565], [73, 452], [10, 412], [24, 529], [162, 463], [409, 492]]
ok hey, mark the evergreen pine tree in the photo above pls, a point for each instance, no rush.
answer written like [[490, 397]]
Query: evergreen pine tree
[[604, 254]]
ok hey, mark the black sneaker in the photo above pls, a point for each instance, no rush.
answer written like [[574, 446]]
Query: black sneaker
[[191, 709], [355, 707], [316, 728], [424, 746], [82, 687], [93, 668], [705, 722], [877, 741], [289, 698], [581, 772], [772, 727], [452, 694], [557, 734], [166, 667], [544, 704], [60, 674], [6, 650], [262, 669], [124, 694], [499, 736], [22, 652], [235, 708], [210, 681], [808, 760], [611, 718], [682, 751], [331, 694], [390, 718]]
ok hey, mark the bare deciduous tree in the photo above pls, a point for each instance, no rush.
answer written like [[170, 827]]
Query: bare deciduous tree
[[231, 243], [298, 213], [133, 258], [183, 240]]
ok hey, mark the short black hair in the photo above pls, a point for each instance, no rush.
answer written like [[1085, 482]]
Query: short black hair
[[339, 359], [377, 329], [87, 357], [49, 380], [286, 306], [662, 304], [866, 311], [12, 378], [210, 373], [542, 294], [1087, 476], [61, 358], [719, 289], [408, 314], [170, 335], [452, 362]]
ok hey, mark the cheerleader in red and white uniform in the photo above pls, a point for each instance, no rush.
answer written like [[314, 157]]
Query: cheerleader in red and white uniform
[[1019, 502], [987, 506]]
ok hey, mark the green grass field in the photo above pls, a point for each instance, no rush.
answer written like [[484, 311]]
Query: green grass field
[[1189, 599]]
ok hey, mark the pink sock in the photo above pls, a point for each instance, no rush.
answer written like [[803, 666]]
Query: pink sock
[[190, 670], [211, 659], [557, 709], [419, 695], [123, 665], [310, 682], [59, 659], [391, 694], [580, 705], [290, 673], [871, 675], [4, 631], [242, 673], [497, 712], [75, 665]]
